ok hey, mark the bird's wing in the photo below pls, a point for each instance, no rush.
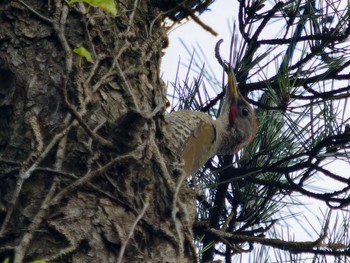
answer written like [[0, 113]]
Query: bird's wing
[[193, 136]]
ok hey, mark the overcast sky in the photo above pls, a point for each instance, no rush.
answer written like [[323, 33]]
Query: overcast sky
[[218, 17]]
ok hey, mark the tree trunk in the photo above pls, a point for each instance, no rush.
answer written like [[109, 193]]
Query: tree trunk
[[83, 157]]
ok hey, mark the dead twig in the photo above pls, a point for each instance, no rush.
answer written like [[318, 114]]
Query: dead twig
[[135, 155], [37, 220], [133, 226]]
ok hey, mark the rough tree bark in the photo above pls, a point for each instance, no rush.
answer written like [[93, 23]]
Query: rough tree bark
[[83, 158]]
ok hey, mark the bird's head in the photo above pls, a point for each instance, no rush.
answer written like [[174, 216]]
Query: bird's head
[[237, 118]]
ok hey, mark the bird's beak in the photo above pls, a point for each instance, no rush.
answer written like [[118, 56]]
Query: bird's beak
[[232, 85]]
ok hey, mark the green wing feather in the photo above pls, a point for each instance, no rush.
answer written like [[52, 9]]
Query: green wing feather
[[193, 136]]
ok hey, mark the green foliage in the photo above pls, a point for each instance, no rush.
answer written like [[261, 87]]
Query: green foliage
[[108, 5], [83, 53]]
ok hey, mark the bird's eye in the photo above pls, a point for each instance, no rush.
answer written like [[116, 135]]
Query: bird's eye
[[245, 112]]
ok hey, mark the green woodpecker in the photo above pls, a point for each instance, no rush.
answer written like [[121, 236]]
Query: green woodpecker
[[197, 137]]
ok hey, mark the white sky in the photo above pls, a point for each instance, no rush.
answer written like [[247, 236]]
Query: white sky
[[192, 34]]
